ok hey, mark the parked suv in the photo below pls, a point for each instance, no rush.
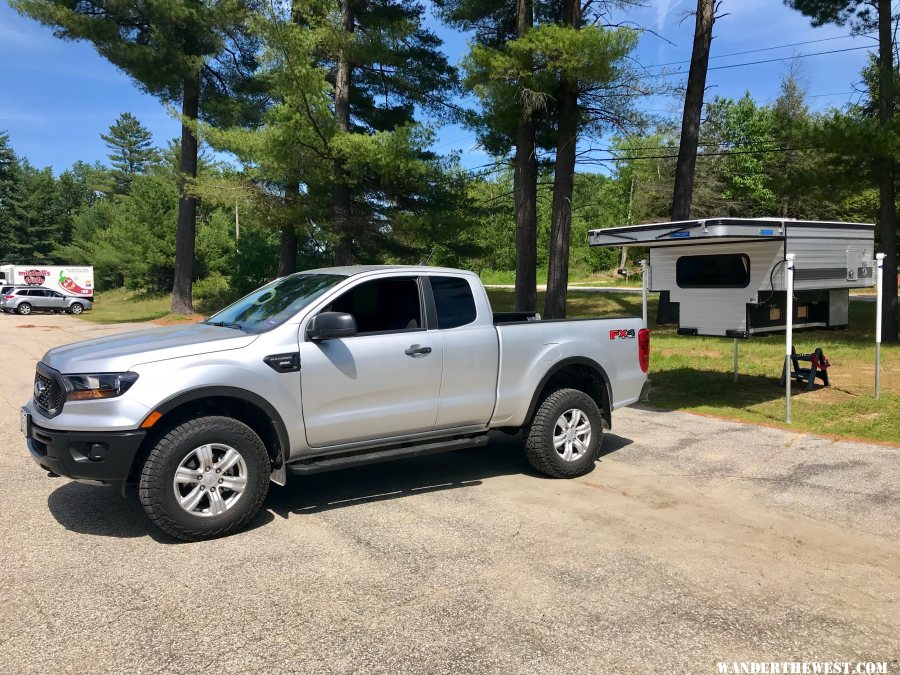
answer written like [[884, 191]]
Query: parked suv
[[25, 300]]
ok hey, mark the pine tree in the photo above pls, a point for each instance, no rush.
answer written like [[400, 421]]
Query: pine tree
[[402, 199], [693, 108], [509, 117], [131, 150], [869, 15], [11, 204], [580, 65], [182, 51], [386, 64]]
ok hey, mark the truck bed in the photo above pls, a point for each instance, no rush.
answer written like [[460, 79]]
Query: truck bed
[[529, 348]]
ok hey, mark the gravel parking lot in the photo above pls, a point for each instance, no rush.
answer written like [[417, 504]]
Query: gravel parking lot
[[693, 541]]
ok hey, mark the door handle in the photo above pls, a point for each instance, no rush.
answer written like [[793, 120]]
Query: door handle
[[416, 350]]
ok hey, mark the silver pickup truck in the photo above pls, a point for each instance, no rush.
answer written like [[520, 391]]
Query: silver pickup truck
[[322, 370]]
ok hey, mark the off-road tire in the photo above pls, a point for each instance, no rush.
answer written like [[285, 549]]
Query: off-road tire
[[539, 448], [156, 492], [24, 309], [76, 308]]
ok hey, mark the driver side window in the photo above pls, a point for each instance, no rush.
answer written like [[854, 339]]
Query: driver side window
[[383, 305]]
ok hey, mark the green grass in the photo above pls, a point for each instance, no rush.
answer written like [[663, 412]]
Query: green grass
[[120, 306], [695, 374]]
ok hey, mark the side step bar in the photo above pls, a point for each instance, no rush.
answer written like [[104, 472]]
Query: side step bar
[[344, 461]]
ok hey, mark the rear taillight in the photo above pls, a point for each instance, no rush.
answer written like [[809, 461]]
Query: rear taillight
[[644, 349], [10, 296]]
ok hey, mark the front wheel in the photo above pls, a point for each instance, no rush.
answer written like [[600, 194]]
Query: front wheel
[[24, 309], [564, 437], [76, 308], [205, 478]]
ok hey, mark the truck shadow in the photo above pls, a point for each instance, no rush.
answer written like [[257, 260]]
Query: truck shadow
[[685, 388], [502, 456], [102, 512]]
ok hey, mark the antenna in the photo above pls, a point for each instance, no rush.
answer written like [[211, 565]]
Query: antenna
[[426, 261]]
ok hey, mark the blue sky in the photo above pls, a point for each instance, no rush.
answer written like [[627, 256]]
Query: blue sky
[[57, 97]]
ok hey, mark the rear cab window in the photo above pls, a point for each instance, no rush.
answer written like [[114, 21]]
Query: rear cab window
[[453, 301]]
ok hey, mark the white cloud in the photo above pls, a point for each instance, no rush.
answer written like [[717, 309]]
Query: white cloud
[[23, 116], [662, 12], [11, 35]]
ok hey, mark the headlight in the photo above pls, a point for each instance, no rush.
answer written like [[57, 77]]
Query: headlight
[[99, 385]]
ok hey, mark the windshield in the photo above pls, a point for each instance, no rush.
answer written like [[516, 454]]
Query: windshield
[[274, 303]]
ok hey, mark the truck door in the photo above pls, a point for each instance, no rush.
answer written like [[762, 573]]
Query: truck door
[[382, 382], [471, 355]]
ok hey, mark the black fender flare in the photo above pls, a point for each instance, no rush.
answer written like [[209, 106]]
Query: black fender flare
[[561, 365], [236, 393]]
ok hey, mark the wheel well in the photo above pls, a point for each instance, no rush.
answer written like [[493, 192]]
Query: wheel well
[[227, 406], [582, 377]]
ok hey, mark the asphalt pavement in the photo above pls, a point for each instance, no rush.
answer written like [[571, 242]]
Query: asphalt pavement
[[694, 541]]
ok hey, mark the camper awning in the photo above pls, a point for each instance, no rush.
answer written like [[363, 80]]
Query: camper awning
[[713, 230]]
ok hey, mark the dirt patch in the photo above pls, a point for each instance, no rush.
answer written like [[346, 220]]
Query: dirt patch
[[174, 320], [43, 327], [833, 395]]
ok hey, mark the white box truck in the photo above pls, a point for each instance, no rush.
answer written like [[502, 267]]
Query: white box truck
[[70, 280]]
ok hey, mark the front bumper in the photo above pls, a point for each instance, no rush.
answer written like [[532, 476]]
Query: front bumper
[[103, 456]]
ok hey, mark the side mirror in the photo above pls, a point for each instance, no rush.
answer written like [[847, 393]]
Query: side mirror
[[328, 325]]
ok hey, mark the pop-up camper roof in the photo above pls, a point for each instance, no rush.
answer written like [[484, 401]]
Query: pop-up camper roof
[[721, 231], [726, 276]]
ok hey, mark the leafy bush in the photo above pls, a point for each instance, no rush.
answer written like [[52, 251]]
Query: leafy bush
[[213, 292]]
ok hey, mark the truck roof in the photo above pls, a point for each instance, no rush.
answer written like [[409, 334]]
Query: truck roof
[[354, 270]]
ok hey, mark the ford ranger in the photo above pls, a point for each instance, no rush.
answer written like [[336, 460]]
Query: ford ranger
[[322, 370]]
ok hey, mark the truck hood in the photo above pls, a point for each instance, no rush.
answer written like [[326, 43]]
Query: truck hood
[[118, 353]]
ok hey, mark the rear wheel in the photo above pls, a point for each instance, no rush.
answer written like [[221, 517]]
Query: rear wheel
[[205, 478], [76, 308], [564, 437], [24, 309]]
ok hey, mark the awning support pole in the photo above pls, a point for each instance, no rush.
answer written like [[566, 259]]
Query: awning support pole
[[879, 292], [645, 267], [789, 333], [735, 359]]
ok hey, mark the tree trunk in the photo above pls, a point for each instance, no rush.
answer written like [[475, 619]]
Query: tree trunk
[[185, 235], [287, 251], [525, 189], [341, 205], [563, 183], [887, 211], [693, 108]]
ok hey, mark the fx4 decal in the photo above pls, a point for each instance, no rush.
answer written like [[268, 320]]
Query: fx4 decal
[[621, 334]]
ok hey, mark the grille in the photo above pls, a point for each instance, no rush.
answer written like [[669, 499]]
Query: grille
[[47, 392]]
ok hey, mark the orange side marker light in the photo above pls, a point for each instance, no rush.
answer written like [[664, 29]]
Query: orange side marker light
[[152, 419]]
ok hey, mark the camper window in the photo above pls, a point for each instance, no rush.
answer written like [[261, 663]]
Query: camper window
[[724, 270]]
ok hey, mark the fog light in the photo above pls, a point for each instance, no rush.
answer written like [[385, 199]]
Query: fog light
[[97, 451]]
